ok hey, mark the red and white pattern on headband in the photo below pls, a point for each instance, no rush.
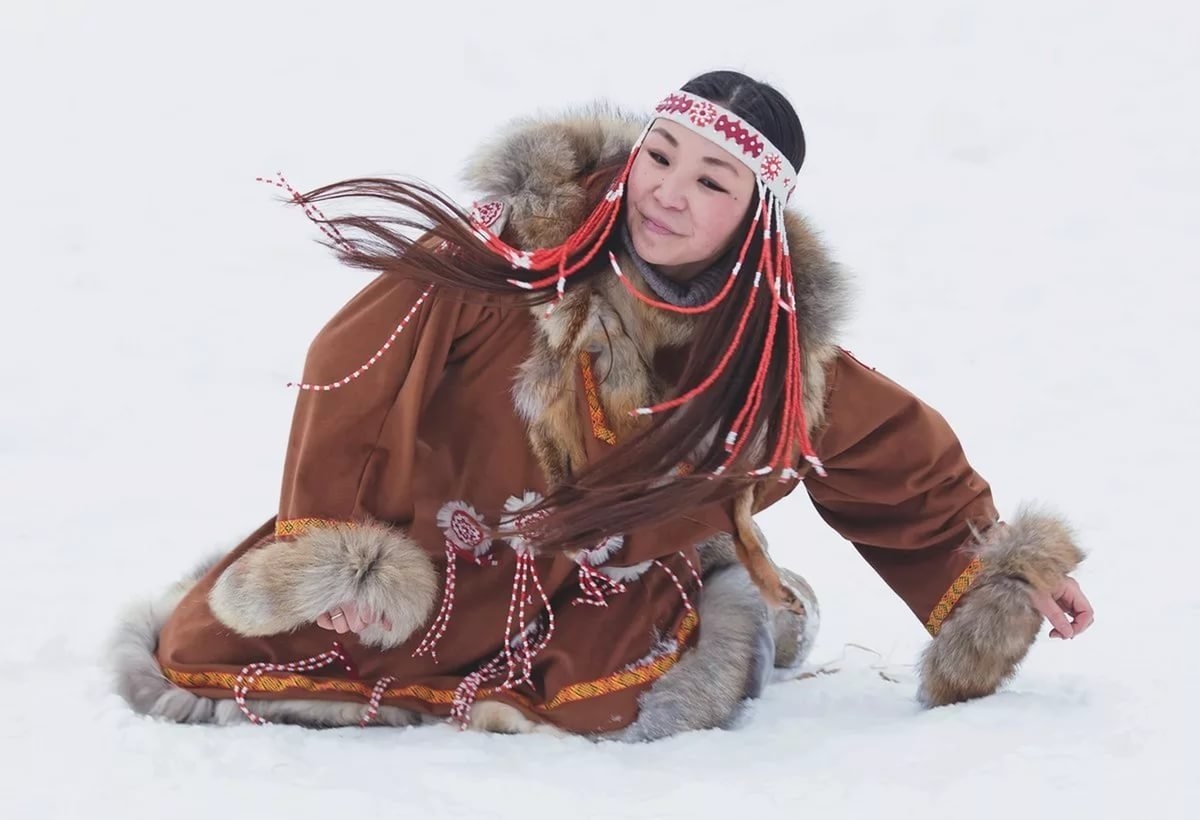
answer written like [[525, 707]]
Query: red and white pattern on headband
[[703, 113], [735, 135], [491, 214], [771, 165]]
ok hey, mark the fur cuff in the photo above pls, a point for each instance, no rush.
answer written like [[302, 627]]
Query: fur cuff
[[987, 635], [285, 585]]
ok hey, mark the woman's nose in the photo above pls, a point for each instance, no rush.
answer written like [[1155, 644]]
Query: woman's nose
[[669, 193]]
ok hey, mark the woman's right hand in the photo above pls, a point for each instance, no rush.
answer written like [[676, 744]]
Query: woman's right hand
[[349, 617]]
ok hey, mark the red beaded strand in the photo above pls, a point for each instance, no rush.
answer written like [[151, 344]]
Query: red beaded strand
[[743, 423], [251, 672], [596, 587], [721, 365], [517, 654], [313, 213], [381, 686], [687, 602], [712, 303], [466, 535], [378, 353]]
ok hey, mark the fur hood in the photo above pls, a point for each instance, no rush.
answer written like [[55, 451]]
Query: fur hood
[[536, 168]]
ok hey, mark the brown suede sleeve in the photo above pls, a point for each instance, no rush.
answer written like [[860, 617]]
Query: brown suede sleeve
[[899, 487], [334, 446]]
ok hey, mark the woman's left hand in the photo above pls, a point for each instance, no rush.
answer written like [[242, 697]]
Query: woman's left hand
[[1066, 607], [350, 617]]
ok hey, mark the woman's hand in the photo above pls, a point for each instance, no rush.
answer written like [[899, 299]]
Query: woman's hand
[[1066, 607], [350, 618]]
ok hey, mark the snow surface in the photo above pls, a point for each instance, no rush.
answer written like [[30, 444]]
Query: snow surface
[[1015, 187]]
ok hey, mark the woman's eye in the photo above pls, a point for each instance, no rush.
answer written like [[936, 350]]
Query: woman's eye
[[657, 157], [708, 183]]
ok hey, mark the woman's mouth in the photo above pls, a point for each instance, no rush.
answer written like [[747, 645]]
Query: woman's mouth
[[656, 227]]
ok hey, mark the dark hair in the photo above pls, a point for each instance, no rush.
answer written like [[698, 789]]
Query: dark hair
[[626, 489]]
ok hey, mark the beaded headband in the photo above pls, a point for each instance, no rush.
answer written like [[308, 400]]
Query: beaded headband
[[736, 136]]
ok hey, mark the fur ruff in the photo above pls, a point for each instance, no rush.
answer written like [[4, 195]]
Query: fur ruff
[[991, 629], [536, 168], [284, 585]]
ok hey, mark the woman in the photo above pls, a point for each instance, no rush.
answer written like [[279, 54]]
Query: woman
[[588, 384]]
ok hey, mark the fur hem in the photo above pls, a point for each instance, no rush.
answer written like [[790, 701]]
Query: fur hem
[[989, 632], [731, 663], [136, 675], [709, 687], [499, 718], [794, 632], [288, 584], [138, 679]]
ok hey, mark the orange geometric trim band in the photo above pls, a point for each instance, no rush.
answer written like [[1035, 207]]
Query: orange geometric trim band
[[616, 682], [600, 426], [285, 683], [959, 588], [624, 679], [299, 526]]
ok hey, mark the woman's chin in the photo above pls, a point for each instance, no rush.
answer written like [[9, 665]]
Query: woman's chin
[[651, 251]]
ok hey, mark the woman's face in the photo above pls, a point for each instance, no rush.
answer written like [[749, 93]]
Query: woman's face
[[685, 200]]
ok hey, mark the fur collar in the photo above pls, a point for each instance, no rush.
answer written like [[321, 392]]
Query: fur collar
[[536, 167]]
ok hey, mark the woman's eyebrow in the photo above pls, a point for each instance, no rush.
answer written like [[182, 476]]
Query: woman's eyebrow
[[722, 163], [710, 160], [667, 136]]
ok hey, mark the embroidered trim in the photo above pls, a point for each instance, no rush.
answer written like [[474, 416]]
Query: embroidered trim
[[626, 678], [600, 426], [573, 693], [961, 584], [298, 526], [269, 683]]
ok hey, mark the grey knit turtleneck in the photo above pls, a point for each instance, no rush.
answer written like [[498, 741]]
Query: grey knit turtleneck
[[695, 291]]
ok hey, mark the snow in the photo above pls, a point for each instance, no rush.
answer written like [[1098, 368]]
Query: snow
[[1014, 186]]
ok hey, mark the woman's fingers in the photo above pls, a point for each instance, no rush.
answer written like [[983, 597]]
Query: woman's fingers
[[1076, 603], [1068, 609], [350, 617], [360, 617], [373, 617], [341, 621], [1054, 614]]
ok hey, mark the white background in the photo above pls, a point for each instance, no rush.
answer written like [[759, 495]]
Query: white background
[[1015, 189]]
